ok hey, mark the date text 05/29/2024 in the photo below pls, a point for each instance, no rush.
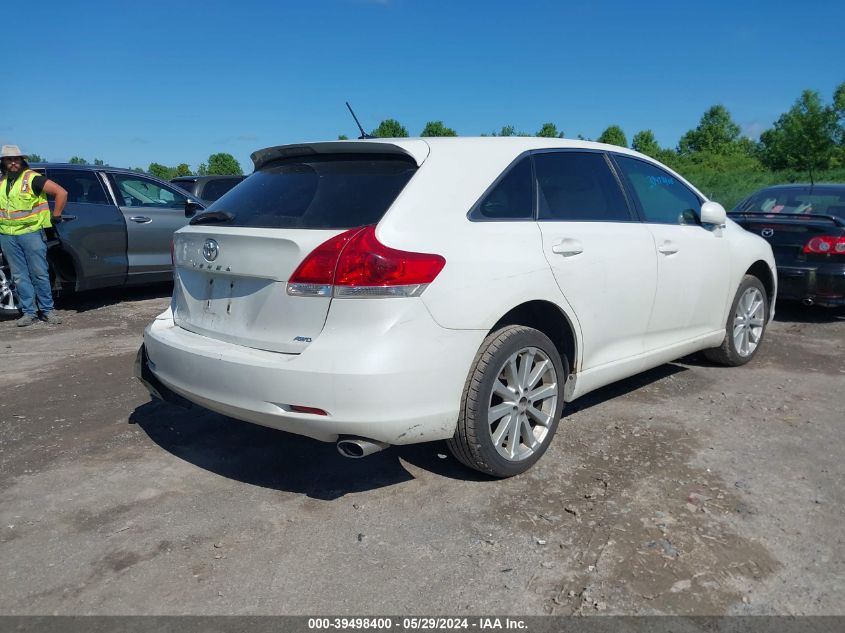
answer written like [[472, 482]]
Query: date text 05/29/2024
[[416, 623]]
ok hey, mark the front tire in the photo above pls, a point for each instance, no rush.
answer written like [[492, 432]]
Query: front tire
[[512, 402], [745, 327]]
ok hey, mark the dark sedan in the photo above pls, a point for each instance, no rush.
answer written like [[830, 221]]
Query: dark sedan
[[805, 224]]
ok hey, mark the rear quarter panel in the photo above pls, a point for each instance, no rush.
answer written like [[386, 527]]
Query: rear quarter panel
[[491, 267]]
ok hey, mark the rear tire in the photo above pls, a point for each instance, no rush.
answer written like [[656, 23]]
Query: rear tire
[[512, 402], [746, 325]]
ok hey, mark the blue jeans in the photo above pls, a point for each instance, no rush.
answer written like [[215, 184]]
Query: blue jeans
[[27, 258]]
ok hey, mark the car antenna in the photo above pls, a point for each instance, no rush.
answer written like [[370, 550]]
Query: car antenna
[[363, 133]]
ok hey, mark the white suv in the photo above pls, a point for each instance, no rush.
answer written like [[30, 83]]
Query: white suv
[[395, 291]]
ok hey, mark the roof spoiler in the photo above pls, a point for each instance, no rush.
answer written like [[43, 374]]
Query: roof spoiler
[[416, 149], [789, 216]]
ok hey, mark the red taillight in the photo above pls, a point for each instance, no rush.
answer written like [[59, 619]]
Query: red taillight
[[825, 245], [367, 262], [318, 268], [355, 263]]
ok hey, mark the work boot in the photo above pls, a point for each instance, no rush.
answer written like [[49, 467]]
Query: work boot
[[27, 319], [52, 318]]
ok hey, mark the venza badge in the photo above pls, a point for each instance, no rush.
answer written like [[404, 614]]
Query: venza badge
[[210, 250]]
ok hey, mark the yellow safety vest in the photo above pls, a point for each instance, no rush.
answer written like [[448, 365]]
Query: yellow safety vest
[[22, 210]]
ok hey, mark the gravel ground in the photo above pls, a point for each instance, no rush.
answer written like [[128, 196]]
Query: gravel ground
[[690, 489]]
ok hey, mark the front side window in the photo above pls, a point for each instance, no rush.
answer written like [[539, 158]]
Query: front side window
[[137, 191], [510, 198], [578, 186], [664, 199], [83, 187]]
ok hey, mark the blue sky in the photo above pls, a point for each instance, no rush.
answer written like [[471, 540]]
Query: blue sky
[[170, 82]]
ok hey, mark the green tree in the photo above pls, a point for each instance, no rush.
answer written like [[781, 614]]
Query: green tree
[[76, 160], [436, 128], [507, 130], [160, 171], [716, 133], [223, 164], [839, 100], [549, 130], [614, 135], [342, 137], [99, 162], [839, 108], [803, 138], [202, 170], [182, 169], [35, 158], [390, 128], [645, 143]]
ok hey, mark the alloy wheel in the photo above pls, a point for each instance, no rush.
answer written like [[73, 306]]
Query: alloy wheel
[[8, 299], [522, 404], [748, 321]]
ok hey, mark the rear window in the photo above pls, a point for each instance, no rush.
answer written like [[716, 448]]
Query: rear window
[[338, 191], [796, 200], [215, 188]]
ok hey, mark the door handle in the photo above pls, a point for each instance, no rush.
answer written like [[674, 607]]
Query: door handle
[[568, 247], [141, 219], [67, 218], [668, 248]]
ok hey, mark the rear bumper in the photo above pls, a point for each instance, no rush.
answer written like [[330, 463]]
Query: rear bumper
[[823, 285], [399, 383]]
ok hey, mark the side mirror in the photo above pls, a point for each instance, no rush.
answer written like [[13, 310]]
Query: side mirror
[[191, 207], [713, 213]]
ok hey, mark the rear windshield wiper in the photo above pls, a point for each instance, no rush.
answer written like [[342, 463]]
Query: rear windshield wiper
[[212, 216]]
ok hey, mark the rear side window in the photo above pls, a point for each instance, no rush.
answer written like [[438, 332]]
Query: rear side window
[[339, 191], [578, 186], [510, 198], [663, 198], [215, 188], [82, 187]]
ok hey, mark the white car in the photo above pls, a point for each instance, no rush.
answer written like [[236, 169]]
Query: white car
[[393, 291]]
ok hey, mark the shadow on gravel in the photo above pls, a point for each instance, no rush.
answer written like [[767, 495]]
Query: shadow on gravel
[[94, 299], [274, 459], [794, 312]]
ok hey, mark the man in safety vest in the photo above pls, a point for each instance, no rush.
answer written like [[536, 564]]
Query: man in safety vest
[[24, 214]]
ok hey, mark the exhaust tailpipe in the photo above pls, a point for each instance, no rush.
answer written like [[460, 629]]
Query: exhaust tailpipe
[[358, 447], [808, 301]]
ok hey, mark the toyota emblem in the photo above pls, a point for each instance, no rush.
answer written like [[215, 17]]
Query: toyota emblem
[[767, 232], [210, 250]]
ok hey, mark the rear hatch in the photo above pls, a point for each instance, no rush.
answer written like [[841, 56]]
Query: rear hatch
[[233, 262]]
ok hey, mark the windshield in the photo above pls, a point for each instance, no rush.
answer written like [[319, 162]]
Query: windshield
[[796, 200], [338, 191]]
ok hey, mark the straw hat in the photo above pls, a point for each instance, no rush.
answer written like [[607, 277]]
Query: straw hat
[[10, 151]]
